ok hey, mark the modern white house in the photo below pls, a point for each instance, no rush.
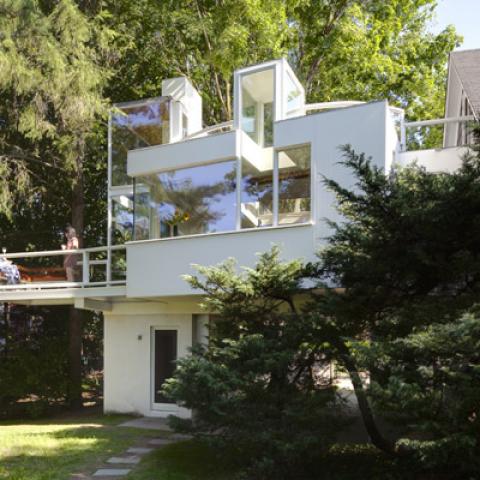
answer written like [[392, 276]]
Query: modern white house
[[180, 194]]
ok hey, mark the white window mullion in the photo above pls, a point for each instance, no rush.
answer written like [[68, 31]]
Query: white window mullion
[[238, 212], [275, 188]]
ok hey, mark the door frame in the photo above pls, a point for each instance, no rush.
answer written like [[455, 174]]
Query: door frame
[[167, 408]]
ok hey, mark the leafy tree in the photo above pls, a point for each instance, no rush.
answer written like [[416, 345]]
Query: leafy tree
[[340, 49], [369, 50], [258, 384], [53, 70]]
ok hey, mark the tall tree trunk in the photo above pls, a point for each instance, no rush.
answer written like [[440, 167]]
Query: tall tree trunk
[[75, 321], [374, 433], [75, 333]]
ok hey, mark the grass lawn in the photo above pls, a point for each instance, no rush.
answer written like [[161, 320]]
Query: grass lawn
[[56, 448], [183, 461], [193, 461]]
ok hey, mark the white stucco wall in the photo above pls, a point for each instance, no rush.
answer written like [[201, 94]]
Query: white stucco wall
[[155, 267], [128, 356], [362, 126], [188, 153]]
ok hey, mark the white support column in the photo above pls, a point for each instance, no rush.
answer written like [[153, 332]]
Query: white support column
[[86, 267], [108, 272], [275, 188]]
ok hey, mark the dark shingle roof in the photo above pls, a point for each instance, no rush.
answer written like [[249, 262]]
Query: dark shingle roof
[[467, 65]]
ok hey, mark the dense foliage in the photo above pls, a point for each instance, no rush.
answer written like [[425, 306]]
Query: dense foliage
[[408, 263], [259, 385], [33, 361]]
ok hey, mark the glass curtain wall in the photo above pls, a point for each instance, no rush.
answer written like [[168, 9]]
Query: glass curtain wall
[[139, 125], [186, 202], [203, 199]]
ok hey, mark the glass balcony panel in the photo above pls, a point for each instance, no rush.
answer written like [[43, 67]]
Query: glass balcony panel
[[137, 126], [119, 265], [186, 202], [294, 185], [257, 191]]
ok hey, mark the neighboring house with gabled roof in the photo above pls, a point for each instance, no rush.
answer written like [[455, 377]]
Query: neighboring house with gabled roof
[[181, 194], [463, 94]]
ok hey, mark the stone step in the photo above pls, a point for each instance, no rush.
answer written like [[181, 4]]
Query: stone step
[[112, 472], [132, 459], [160, 441], [139, 450]]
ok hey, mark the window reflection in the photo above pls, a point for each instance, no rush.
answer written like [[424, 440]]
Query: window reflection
[[294, 97], [186, 202], [294, 185], [137, 126], [122, 219], [257, 191], [257, 106]]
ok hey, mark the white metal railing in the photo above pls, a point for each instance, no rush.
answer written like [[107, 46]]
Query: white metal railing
[[86, 263], [430, 123]]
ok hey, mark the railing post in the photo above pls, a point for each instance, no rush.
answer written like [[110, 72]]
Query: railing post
[[108, 278], [86, 267]]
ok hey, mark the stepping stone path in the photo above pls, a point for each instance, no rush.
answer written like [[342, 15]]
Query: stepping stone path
[[133, 456], [139, 450], [132, 459], [112, 472]]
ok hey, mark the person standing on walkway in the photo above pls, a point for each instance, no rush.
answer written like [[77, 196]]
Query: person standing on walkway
[[70, 262]]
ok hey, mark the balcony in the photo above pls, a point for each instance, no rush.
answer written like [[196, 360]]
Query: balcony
[[437, 145], [41, 277]]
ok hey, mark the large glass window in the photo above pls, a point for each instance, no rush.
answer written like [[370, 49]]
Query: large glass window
[[258, 106], [294, 185], [136, 126], [294, 97], [122, 219], [186, 202], [257, 191]]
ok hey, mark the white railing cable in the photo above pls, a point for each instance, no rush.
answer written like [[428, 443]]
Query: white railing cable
[[53, 253], [439, 121], [56, 285]]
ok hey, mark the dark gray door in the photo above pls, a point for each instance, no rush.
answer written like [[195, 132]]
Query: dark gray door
[[164, 364]]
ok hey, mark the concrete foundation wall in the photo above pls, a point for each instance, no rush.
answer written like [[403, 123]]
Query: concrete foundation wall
[[128, 358]]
